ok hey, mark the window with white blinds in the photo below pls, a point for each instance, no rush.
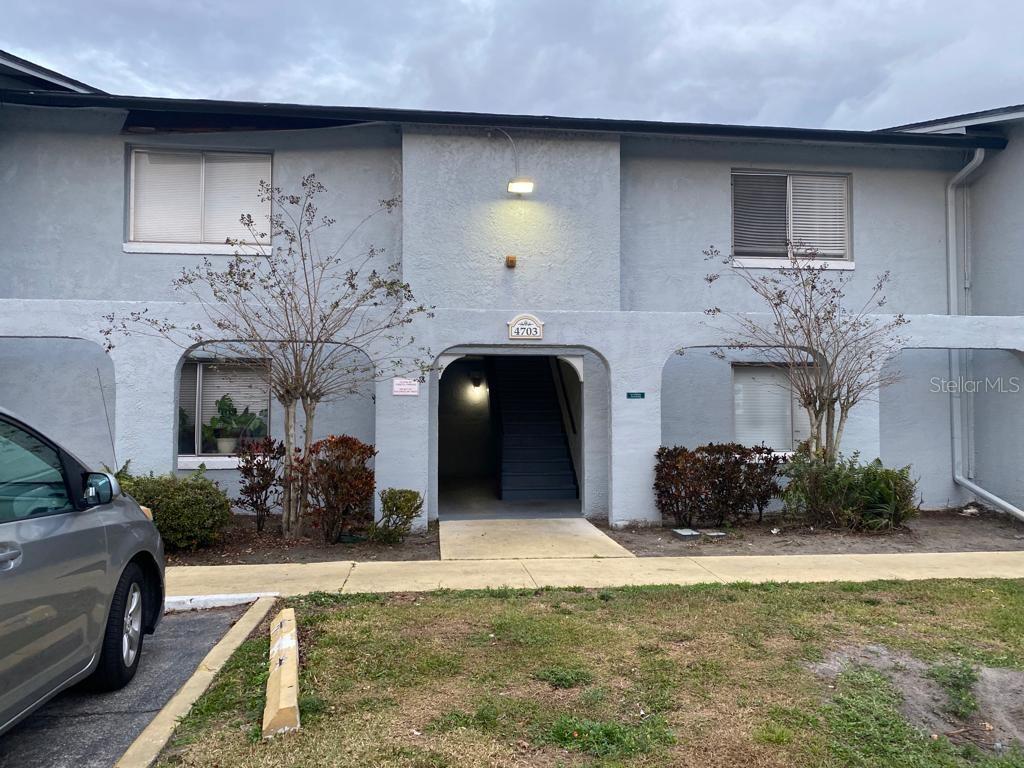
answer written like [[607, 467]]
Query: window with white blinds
[[766, 410], [205, 387], [196, 197], [772, 210]]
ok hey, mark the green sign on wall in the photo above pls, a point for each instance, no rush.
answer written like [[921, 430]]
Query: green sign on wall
[[635, 395]]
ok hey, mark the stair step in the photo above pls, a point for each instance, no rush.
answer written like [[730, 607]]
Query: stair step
[[535, 428], [532, 441], [561, 480], [537, 465], [538, 494], [557, 451]]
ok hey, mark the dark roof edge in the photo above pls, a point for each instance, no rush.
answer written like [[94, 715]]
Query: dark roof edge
[[487, 120], [993, 113], [48, 74]]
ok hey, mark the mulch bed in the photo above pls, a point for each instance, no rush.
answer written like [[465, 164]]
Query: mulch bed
[[240, 544]]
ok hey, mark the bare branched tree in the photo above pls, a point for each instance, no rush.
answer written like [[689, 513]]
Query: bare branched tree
[[321, 321], [834, 356]]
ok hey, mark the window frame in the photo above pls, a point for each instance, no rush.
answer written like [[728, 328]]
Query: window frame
[[210, 460], [198, 247], [792, 404], [834, 262]]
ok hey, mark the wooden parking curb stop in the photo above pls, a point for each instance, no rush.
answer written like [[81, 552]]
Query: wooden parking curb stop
[[281, 713]]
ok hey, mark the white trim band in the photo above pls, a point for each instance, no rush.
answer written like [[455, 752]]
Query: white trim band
[[210, 462]]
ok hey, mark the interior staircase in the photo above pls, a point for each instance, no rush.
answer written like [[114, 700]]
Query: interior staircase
[[532, 445]]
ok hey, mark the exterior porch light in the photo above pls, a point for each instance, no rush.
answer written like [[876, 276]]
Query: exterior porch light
[[518, 184]]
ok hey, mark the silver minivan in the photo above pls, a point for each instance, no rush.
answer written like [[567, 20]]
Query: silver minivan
[[81, 574]]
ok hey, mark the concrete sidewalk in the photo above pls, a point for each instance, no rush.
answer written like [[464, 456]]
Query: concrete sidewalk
[[348, 577]]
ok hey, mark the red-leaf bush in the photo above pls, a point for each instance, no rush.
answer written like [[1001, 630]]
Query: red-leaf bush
[[714, 484], [259, 464], [340, 484]]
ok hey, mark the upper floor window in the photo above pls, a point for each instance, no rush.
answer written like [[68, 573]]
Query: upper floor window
[[222, 405], [766, 409], [196, 197], [776, 214]]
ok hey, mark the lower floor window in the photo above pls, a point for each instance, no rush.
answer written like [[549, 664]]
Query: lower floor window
[[222, 405], [766, 410]]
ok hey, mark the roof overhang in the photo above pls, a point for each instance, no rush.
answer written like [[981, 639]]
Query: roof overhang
[[41, 77], [149, 114], [962, 123]]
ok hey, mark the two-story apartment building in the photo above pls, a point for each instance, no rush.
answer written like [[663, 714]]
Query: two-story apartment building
[[556, 373]]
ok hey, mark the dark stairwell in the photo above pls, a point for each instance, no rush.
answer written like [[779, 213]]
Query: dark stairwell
[[533, 450]]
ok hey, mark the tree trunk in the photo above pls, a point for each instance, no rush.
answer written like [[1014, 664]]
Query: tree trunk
[[288, 491], [843, 413], [309, 414], [830, 433]]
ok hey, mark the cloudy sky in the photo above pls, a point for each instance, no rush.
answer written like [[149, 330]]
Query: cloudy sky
[[843, 64]]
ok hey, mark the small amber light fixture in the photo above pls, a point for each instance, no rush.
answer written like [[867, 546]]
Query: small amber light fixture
[[520, 185], [510, 261]]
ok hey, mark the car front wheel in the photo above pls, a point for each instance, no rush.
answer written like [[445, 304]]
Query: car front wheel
[[122, 640]]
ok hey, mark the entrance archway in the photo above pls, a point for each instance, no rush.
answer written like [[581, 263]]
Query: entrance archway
[[510, 435]]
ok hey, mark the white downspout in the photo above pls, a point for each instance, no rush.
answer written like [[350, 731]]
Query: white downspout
[[953, 302]]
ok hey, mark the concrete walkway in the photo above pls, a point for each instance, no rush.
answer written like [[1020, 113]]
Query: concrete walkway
[[296, 579], [526, 539]]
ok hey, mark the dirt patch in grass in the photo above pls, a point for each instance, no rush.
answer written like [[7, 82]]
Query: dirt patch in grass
[[935, 531], [981, 706], [763, 676], [240, 544]]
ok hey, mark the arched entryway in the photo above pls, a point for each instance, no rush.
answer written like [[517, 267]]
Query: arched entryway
[[516, 433]]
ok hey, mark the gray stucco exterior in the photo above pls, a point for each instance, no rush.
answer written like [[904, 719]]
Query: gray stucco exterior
[[609, 251]]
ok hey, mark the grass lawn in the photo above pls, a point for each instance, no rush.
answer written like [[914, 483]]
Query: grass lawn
[[658, 676]]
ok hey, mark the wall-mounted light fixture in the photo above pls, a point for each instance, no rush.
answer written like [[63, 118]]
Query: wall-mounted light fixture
[[476, 377], [517, 185]]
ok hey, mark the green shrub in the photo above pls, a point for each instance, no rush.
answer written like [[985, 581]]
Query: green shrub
[[190, 512], [399, 509], [847, 494]]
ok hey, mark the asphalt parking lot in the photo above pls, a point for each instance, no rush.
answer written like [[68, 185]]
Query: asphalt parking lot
[[79, 729]]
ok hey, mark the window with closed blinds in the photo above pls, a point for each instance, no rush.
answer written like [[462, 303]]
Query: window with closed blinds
[[759, 214], [202, 390], [766, 410], [188, 388], [245, 385], [197, 197], [819, 214], [773, 210]]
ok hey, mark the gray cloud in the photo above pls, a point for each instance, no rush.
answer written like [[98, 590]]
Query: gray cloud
[[844, 64]]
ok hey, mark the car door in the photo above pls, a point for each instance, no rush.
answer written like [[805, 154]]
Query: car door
[[53, 571]]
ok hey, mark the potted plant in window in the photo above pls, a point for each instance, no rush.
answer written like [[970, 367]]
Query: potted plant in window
[[225, 426]]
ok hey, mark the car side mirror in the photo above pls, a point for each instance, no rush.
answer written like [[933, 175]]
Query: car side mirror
[[100, 488]]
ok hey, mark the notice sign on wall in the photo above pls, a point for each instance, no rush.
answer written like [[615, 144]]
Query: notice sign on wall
[[525, 327], [407, 387]]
